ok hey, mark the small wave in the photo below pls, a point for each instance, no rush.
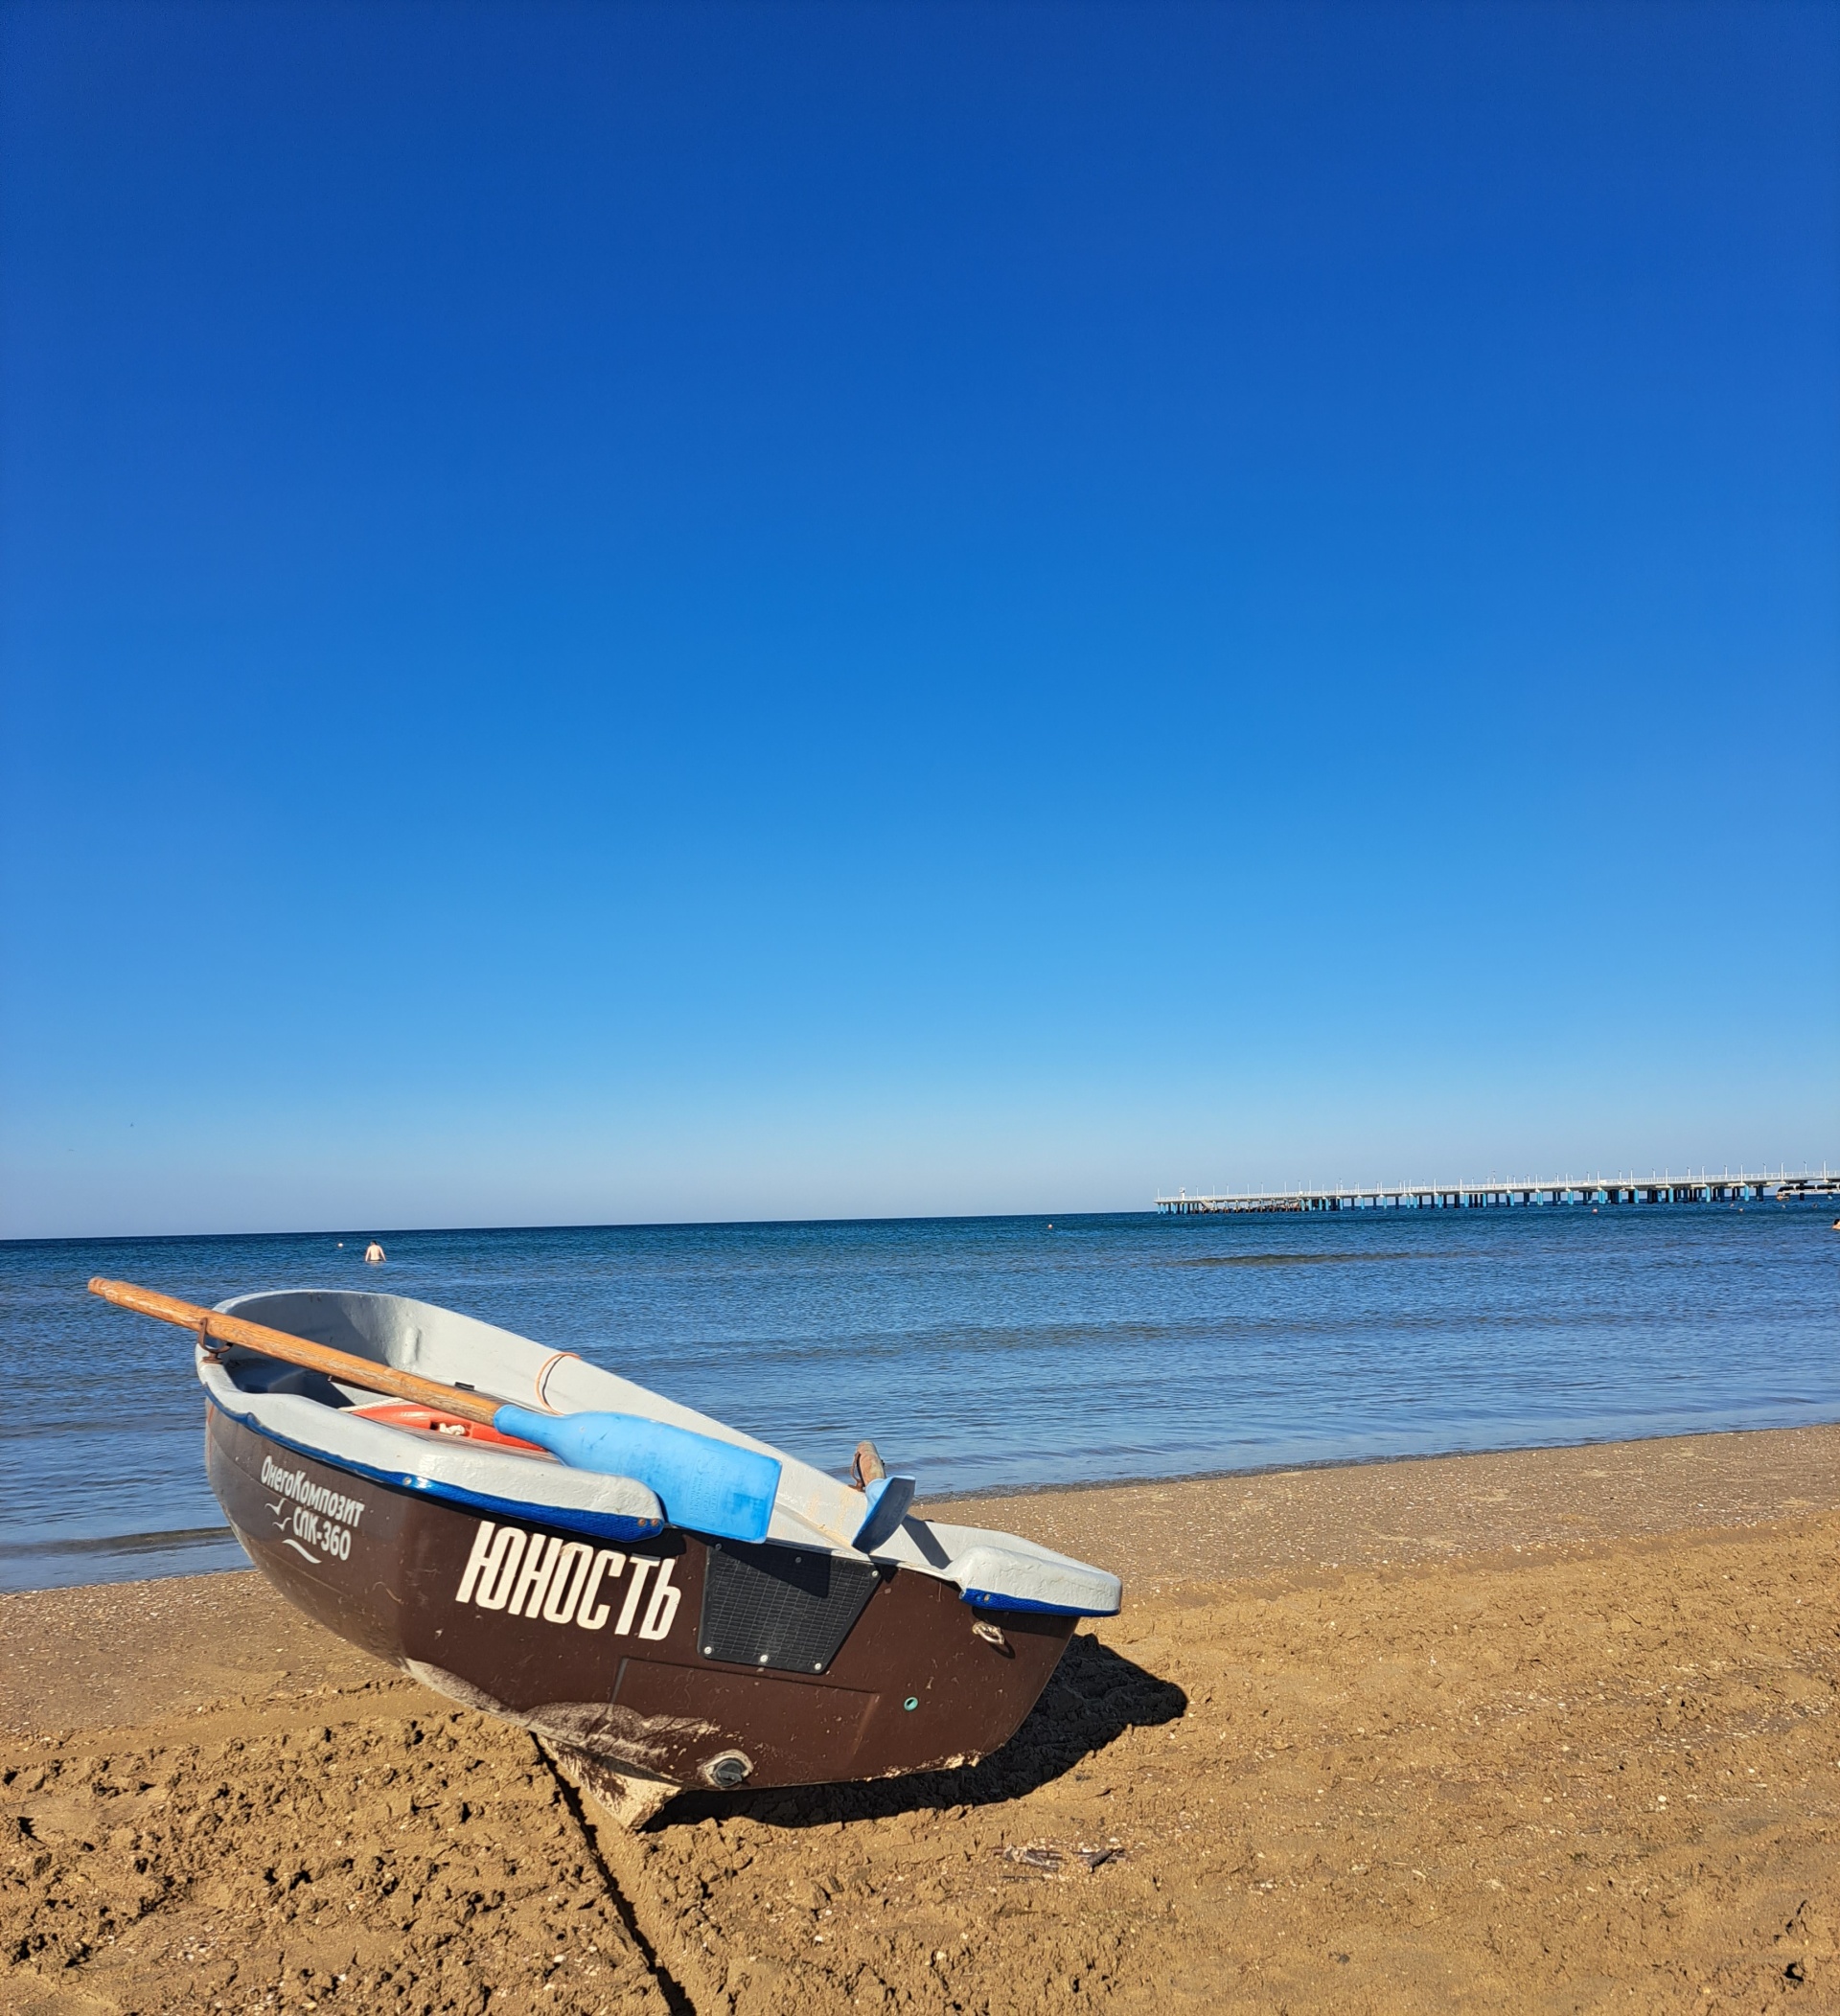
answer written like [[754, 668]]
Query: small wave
[[1290, 1259], [117, 1542]]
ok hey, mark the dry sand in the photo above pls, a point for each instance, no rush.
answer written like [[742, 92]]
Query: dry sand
[[1551, 1731]]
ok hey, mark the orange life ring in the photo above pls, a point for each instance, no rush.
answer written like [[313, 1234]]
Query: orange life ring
[[431, 1420]]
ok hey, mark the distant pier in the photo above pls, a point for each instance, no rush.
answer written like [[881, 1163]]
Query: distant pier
[[1784, 1185]]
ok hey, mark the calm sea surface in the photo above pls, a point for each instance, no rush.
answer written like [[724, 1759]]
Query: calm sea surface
[[977, 1352]]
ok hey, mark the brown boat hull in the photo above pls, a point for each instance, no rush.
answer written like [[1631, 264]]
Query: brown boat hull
[[599, 1646]]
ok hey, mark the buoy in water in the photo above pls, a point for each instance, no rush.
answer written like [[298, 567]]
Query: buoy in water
[[373, 1254]]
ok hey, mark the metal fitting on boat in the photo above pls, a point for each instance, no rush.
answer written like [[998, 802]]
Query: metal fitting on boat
[[728, 1770]]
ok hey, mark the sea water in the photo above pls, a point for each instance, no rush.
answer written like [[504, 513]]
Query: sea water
[[980, 1353]]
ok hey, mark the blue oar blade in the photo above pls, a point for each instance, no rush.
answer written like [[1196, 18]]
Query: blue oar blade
[[707, 1485], [888, 1499]]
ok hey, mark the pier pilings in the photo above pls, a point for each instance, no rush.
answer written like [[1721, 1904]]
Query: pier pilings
[[1730, 1186]]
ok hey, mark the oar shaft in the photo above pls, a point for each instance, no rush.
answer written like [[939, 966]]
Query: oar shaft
[[347, 1365]]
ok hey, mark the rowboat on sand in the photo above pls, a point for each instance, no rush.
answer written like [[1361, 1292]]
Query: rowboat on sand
[[664, 1601]]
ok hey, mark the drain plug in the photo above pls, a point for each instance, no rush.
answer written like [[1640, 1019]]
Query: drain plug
[[728, 1770]]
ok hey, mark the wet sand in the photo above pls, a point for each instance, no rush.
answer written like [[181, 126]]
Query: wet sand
[[1549, 1731]]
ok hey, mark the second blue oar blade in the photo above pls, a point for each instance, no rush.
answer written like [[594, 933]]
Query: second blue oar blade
[[707, 1485], [888, 1500]]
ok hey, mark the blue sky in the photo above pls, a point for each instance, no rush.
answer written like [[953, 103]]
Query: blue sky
[[621, 612]]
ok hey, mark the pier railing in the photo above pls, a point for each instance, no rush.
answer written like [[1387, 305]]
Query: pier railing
[[1730, 1186]]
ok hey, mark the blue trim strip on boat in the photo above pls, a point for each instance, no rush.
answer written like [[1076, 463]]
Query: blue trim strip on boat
[[994, 1599], [604, 1525]]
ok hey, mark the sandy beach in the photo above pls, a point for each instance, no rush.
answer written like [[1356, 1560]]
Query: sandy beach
[[1545, 1730]]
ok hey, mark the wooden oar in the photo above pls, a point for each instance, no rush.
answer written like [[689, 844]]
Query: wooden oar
[[708, 1485], [213, 1326]]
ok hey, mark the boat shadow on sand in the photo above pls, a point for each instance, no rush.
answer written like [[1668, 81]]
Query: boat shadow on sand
[[1095, 1696]]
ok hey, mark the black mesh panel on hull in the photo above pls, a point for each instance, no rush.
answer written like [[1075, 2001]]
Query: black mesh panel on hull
[[782, 1608]]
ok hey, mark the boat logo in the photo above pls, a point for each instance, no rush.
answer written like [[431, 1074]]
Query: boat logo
[[310, 1513], [562, 1581]]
